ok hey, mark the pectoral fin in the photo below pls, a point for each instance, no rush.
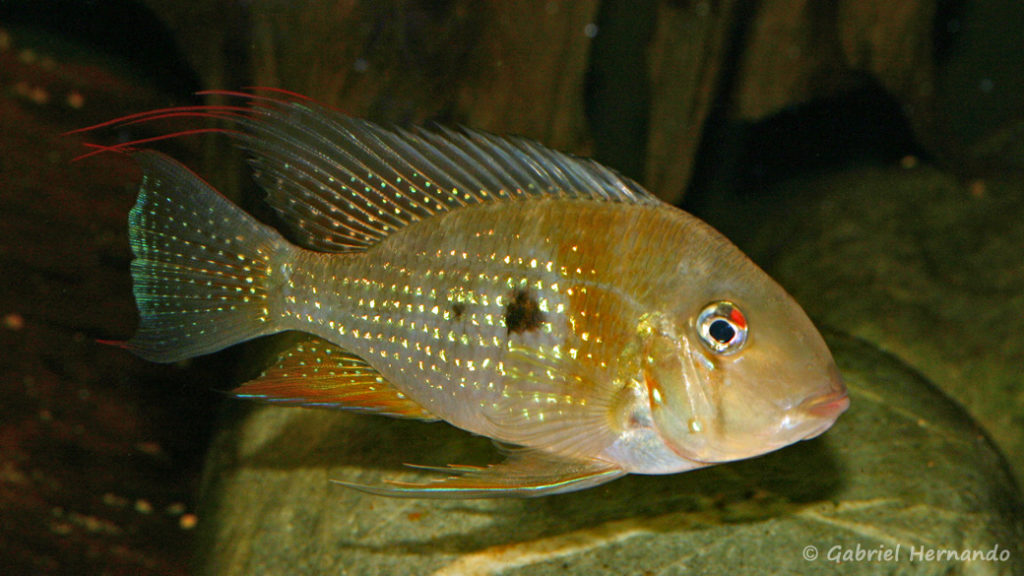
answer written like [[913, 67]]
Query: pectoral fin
[[315, 372], [524, 474]]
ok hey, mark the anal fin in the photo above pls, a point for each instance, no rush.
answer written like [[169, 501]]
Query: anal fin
[[315, 372], [525, 474]]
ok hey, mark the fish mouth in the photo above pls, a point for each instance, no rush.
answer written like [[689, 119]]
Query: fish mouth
[[824, 409], [828, 406]]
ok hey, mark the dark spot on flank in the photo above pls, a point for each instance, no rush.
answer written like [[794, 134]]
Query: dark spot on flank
[[523, 312], [457, 309]]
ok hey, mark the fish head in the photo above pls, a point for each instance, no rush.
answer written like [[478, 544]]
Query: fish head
[[737, 371]]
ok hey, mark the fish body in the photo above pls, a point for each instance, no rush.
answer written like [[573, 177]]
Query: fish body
[[510, 290]]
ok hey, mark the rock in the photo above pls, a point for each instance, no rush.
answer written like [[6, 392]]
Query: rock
[[923, 266], [510, 68], [686, 59], [904, 471], [522, 67], [506, 67], [797, 50], [526, 67]]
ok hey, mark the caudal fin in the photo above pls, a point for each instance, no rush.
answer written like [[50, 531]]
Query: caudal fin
[[204, 272]]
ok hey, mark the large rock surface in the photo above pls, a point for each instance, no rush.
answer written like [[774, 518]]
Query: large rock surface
[[924, 266], [904, 470]]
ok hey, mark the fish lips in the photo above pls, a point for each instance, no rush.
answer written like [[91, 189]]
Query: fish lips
[[824, 409]]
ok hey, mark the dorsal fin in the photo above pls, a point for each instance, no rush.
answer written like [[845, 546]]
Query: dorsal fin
[[315, 372], [343, 184]]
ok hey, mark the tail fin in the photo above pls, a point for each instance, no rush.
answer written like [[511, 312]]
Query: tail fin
[[204, 272]]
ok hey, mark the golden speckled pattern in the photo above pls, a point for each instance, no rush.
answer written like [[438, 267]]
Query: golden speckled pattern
[[511, 290], [432, 320]]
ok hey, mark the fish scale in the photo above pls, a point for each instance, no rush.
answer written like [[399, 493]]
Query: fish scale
[[516, 292], [396, 303]]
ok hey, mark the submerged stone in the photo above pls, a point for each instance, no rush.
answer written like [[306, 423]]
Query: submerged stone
[[923, 265], [904, 472]]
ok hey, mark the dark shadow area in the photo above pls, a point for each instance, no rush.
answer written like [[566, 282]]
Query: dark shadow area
[[949, 15], [123, 29], [617, 84], [740, 164], [105, 449]]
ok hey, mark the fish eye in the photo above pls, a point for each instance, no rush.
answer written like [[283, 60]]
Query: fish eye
[[722, 327]]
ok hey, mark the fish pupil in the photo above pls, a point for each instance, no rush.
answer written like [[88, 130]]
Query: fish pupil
[[523, 312], [722, 331], [722, 327]]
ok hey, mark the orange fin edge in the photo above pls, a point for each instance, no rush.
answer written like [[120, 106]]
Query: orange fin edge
[[316, 373]]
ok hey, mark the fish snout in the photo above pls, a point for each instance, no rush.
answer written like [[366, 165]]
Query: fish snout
[[821, 412], [831, 401], [826, 406]]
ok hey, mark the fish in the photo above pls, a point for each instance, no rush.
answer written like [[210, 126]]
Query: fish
[[519, 293]]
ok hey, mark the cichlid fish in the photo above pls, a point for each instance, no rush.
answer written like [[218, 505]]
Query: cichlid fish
[[516, 292]]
